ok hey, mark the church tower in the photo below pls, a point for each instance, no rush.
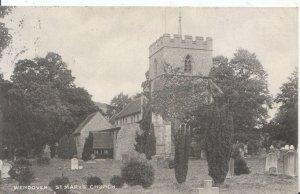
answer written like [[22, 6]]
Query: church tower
[[193, 56]]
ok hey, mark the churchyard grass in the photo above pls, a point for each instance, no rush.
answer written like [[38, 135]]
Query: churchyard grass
[[256, 182]]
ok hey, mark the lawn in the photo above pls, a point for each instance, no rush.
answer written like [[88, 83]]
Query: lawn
[[165, 182]]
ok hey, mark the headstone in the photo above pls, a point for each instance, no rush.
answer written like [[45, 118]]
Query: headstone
[[246, 149], [202, 154], [47, 151], [277, 151], [271, 161], [5, 169], [292, 147], [208, 189], [93, 156], [282, 153], [80, 167], [271, 147], [286, 147], [74, 164], [290, 163], [242, 152], [1, 164], [231, 168]]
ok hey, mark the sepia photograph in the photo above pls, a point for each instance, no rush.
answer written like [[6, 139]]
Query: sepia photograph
[[131, 100]]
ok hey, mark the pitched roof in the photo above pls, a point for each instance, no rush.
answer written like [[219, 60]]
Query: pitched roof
[[83, 123], [133, 107], [103, 140]]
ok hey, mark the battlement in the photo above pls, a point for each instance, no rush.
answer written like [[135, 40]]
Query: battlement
[[177, 41]]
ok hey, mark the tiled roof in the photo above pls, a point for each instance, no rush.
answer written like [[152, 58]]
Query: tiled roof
[[103, 140], [83, 123], [132, 108]]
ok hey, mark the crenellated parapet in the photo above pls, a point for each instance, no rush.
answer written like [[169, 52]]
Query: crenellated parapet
[[179, 41]]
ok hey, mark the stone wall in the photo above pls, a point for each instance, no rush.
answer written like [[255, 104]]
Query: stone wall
[[163, 134], [126, 140]]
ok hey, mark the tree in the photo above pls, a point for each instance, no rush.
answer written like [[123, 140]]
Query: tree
[[182, 143], [5, 37], [285, 122], [88, 148], [146, 141], [117, 104], [67, 147], [244, 83], [218, 128], [44, 103]]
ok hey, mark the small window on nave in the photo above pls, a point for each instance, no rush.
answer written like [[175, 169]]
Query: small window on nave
[[188, 64]]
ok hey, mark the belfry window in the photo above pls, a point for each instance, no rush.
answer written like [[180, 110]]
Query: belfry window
[[188, 64]]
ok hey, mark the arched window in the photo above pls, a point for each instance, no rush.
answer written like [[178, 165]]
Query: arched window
[[188, 64], [155, 67]]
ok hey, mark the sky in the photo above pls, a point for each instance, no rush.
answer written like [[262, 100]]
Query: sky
[[107, 47]]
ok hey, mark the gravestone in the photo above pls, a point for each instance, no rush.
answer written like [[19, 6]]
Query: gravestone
[[202, 154], [47, 151], [5, 169], [271, 161], [282, 153], [286, 147], [277, 151], [290, 163], [246, 149], [74, 164], [231, 168], [241, 150], [1, 164], [208, 188]]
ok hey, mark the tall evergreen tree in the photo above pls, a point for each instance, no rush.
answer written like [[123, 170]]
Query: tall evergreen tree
[[145, 140], [88, 148], [182, 148], [218, 128]]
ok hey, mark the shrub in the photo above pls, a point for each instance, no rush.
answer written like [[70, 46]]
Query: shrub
[[22, 172], [138, 173], [240, 167], [58, 185], [93, 181], [88, 148], [117, 181], [67, 147], [43, 161]]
